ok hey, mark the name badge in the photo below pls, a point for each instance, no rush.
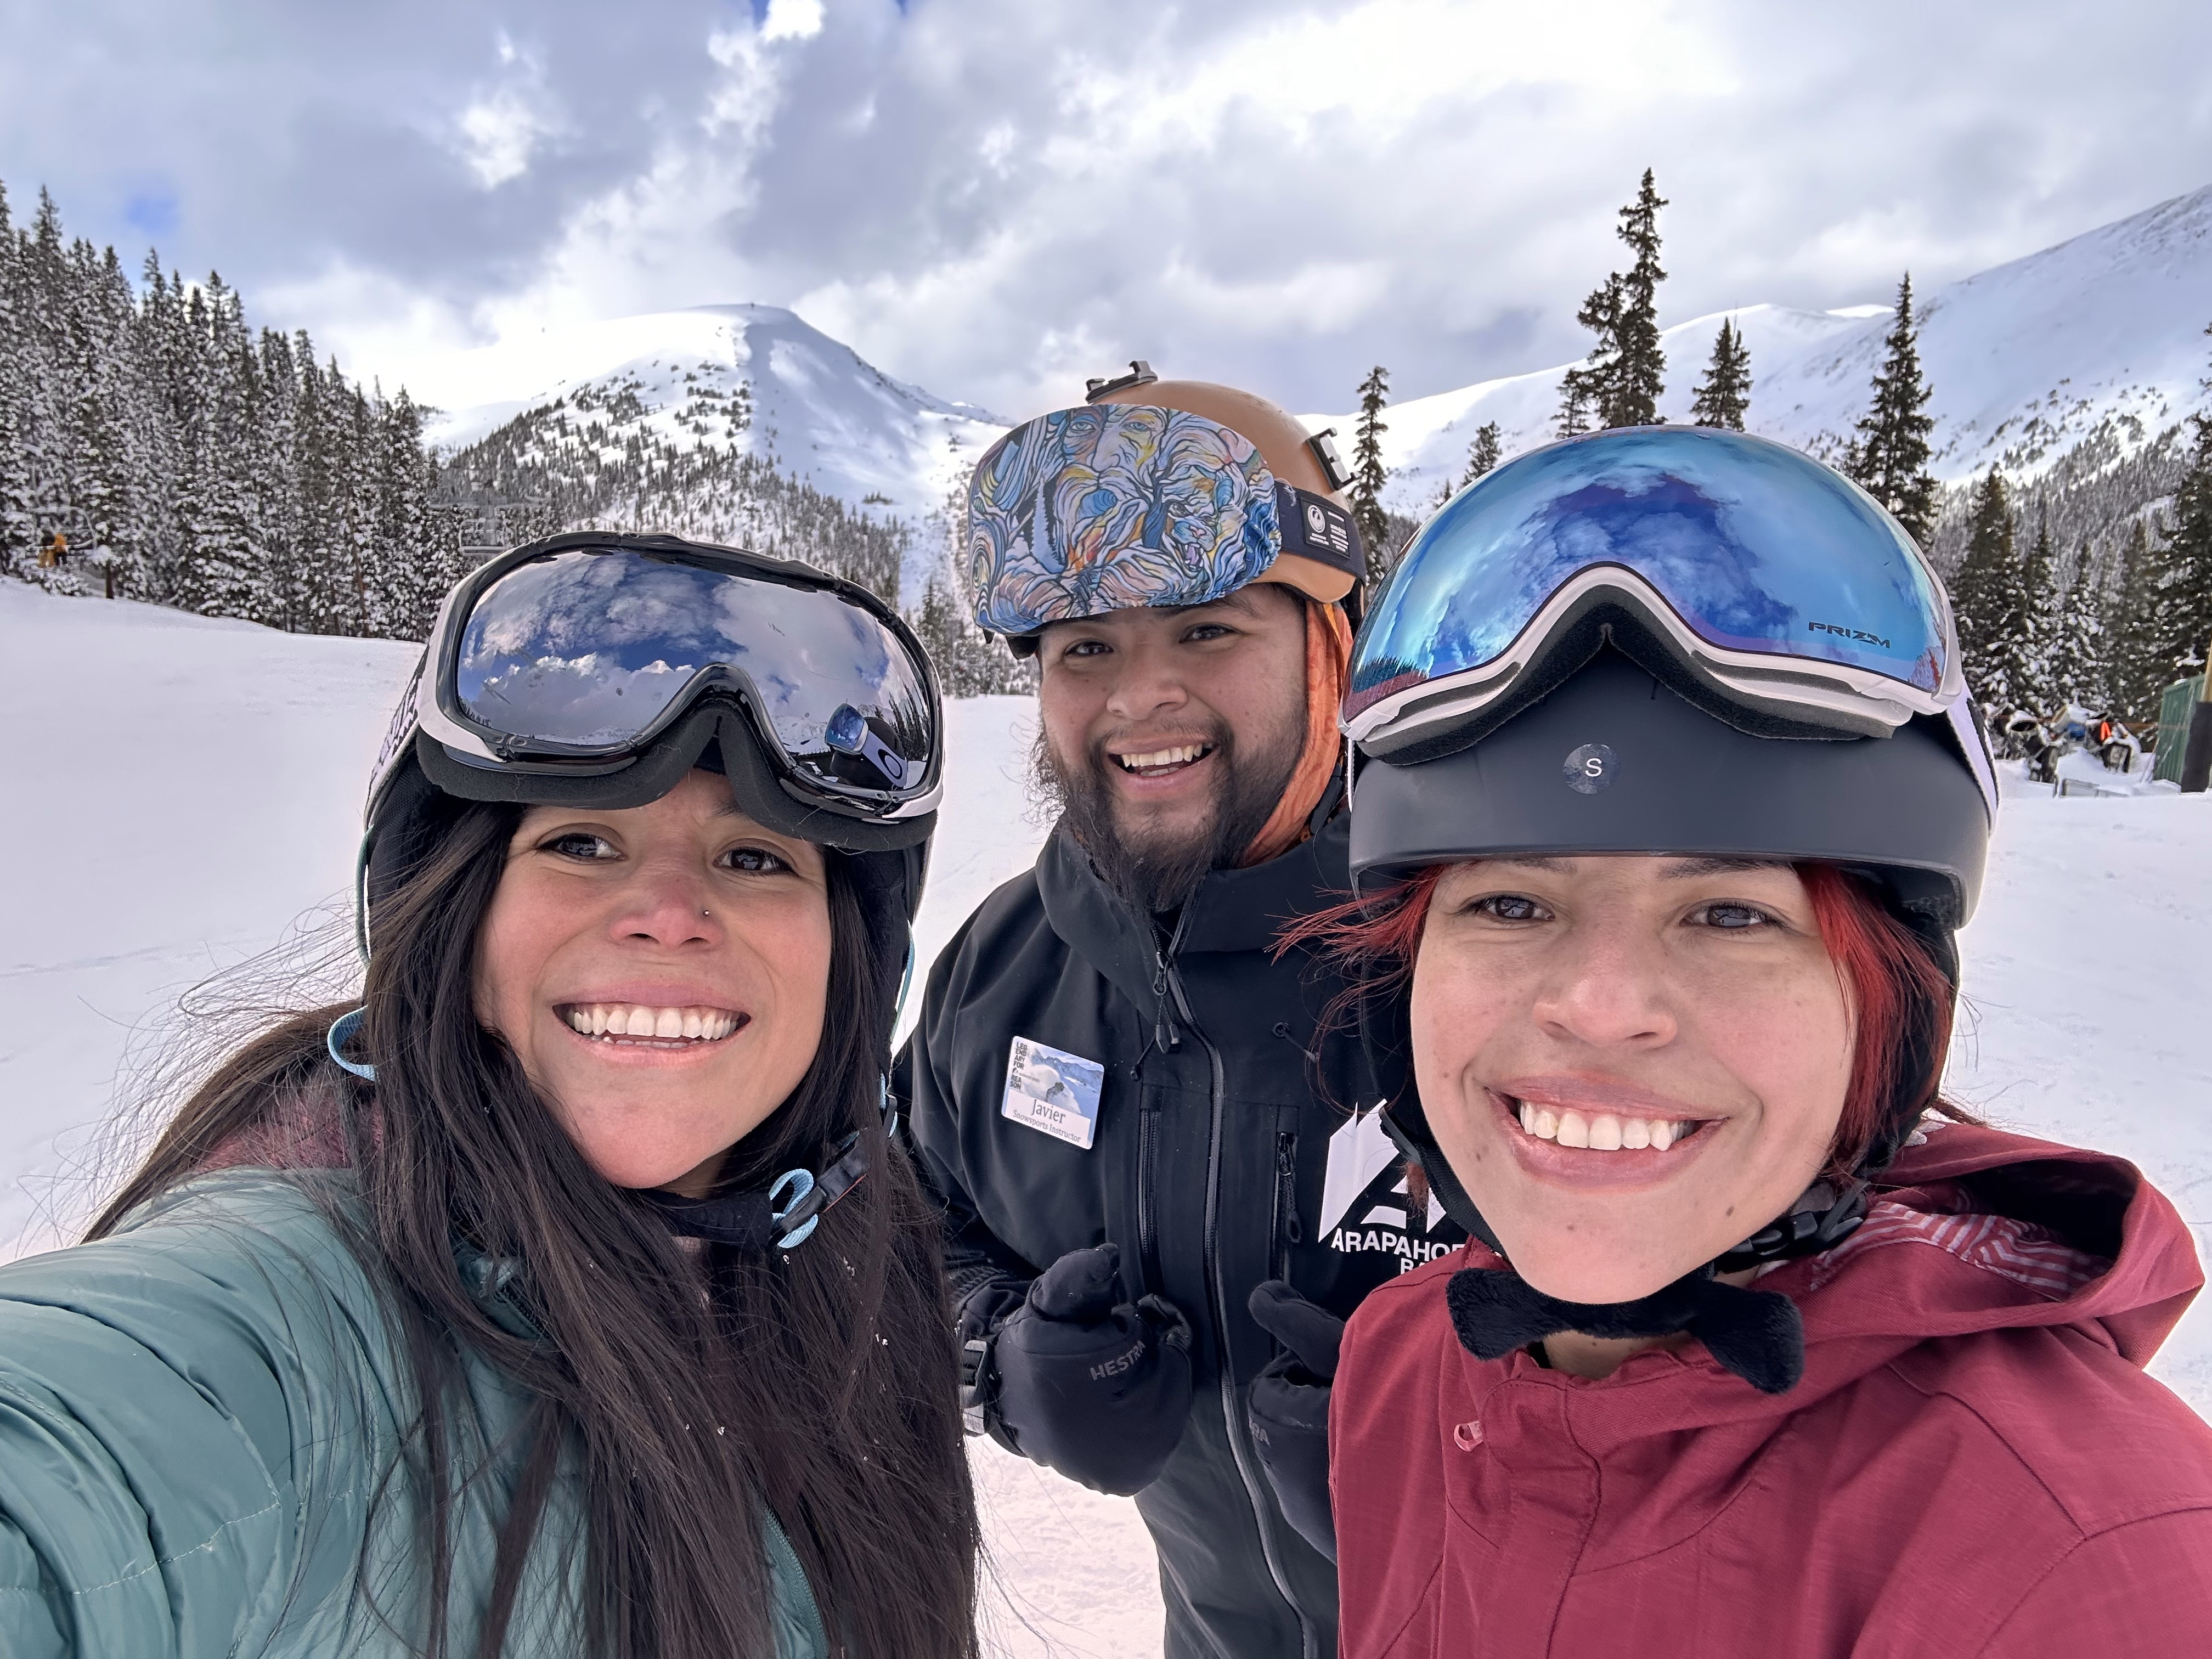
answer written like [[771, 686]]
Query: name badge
[[1054, 1091]]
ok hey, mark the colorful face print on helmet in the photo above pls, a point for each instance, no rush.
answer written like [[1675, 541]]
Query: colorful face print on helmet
[[1111, 507]]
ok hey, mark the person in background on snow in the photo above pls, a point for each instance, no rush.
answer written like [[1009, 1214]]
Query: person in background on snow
[[1175, 557], [510, 1312], [1670, 800]]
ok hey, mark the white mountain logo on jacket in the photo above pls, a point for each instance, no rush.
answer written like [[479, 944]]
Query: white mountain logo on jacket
[[1364, 1203]]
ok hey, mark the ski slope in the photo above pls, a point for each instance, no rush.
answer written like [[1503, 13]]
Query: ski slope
[[180, 791]]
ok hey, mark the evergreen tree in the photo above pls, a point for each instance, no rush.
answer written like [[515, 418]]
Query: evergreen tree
[[1368, 474], [2029, 649], [1574, 415], [2077, 654], [1995, 616], [1625, 376], [177, 455], [2185, 577], [1483, 454], [2137, 650], [1725, 394], [1890, 455]]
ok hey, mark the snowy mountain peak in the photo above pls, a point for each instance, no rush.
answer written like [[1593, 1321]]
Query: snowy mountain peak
[[2026, 361], [2099, 337], [755, 377]]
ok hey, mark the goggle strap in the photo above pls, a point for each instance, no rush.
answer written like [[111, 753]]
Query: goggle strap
[[1314, 527]]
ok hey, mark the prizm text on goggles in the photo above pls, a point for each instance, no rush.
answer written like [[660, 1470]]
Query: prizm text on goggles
[[1775, 581], [572, 657]]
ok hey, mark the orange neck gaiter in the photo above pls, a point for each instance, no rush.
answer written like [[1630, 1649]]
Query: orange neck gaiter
[[1328, 660]]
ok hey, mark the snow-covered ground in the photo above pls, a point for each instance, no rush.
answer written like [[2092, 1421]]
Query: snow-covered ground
[[180, 792]]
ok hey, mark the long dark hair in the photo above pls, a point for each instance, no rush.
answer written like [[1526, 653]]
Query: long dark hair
[[820, 1381]]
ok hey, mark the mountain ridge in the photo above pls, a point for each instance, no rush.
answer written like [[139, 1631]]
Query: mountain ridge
[[2076, 361]]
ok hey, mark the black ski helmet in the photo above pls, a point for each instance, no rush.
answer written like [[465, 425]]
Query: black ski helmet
[[1608, 718]]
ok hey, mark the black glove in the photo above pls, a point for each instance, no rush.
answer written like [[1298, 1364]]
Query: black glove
[[1095, 1388], [1289, 1409]]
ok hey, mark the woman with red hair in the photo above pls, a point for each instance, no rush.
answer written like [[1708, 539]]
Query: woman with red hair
[[1669, 802]]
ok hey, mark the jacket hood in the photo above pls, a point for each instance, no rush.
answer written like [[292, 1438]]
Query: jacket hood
[[1973, 1229]]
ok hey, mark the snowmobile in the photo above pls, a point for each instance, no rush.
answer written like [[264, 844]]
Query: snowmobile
[[2020, 734]]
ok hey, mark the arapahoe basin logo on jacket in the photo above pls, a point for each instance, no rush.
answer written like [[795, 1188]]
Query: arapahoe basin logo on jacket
[[1364, 1203]]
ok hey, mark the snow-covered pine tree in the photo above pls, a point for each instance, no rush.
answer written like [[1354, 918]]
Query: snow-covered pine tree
[[48, 464], [1889, 457], [1991, 609], [1725, 394], [16, 554], [2185, 607], [2077, 657], [2029, 649], [1625, 376], [968, 664], [150, 429], [2139, 666], [415, 568], [272, 478], [1483, 454], [1368, 474]]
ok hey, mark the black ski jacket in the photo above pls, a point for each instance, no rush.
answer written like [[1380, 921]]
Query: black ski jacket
[[1217, 1114]]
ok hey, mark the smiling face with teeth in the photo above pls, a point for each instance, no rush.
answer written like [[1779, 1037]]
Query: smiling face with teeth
[[660, 971], [1632, 1063], [1171, 733]]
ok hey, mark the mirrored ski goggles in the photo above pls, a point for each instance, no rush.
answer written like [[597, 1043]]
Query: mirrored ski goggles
[[1774, 579], [1115, 505], [574, 658]]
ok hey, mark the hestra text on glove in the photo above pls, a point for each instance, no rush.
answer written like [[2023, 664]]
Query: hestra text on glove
[[1096, 1387]]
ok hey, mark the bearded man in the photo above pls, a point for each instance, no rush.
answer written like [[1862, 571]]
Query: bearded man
[[1131, 1104]]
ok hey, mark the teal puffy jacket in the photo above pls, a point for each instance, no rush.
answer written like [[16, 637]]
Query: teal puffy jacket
[[195, 1417]]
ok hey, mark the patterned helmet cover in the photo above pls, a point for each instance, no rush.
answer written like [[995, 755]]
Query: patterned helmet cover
[[1114, 506]]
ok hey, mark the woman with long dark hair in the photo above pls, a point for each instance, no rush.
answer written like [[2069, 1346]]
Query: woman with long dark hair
[[569, 1294], [1670, 803]]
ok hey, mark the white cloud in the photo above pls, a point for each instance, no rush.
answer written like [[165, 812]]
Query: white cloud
[[991, 198], [500, 130], [792, 20]]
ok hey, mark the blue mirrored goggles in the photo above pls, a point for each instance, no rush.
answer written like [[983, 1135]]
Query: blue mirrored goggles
[[572, 659], [1112, 507], [1774, 579]]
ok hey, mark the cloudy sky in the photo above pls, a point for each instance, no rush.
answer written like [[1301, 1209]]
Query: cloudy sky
[[993, 198]]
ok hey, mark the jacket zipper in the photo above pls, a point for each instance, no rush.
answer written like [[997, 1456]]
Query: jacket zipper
[[1148, 1237], [1285, 1229], [1218, 1293]]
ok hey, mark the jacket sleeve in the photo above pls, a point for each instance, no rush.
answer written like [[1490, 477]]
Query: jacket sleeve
[[975, 1257], [147, 1503], [2142, 1588]]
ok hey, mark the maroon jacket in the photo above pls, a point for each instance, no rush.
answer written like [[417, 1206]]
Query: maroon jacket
[[1974, 1465]]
